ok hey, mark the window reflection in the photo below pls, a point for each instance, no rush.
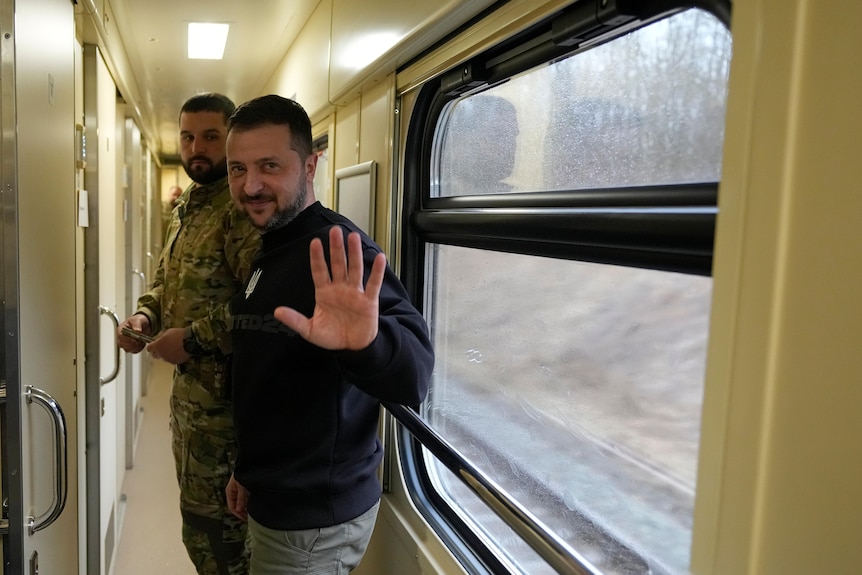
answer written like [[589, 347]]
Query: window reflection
[[480, 140], [645, 109]]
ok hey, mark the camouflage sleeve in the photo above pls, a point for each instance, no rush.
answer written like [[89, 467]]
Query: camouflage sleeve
[[150, 303], [242, 242]]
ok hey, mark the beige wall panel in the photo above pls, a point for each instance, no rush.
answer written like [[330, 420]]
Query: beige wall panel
[[403, 543], [779, 469], [346, 148], [302, 74], [375, 143], [371, 39], [816, 386], [80, 366]]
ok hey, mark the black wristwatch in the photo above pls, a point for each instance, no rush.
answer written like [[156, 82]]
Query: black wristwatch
[[190, 343]]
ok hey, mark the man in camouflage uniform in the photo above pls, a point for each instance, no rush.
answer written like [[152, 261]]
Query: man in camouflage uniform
[[207, 255]]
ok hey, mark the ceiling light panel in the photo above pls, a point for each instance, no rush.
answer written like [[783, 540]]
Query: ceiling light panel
[[207, 41]]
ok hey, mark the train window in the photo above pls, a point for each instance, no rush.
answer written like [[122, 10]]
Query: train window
[[578, 388], [647, 108], [576, 385]]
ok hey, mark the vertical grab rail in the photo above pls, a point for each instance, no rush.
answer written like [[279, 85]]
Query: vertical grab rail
[[61, 461], [110, 313]]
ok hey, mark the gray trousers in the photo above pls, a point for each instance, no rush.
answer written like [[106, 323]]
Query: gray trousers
[[332, 550]]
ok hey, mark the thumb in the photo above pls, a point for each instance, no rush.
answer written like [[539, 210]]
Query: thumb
[[294, 320]]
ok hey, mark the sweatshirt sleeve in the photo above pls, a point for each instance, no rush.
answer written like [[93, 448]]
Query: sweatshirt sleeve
[[397, 366]]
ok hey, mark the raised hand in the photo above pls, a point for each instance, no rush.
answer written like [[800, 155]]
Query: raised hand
[[345, 314]]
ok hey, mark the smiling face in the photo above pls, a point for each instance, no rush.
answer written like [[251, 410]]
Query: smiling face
[[202, 141], [269, 180]]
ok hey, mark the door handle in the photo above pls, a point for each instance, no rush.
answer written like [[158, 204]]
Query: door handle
[[143, 277], [61, 461], [110, 313]]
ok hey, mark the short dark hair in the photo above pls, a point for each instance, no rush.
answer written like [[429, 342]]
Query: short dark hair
[[209, 102], [274, 109]]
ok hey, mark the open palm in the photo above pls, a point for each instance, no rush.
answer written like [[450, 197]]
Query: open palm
[[345, 314]]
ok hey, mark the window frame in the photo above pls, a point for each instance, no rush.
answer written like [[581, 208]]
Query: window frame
[[667, 228]]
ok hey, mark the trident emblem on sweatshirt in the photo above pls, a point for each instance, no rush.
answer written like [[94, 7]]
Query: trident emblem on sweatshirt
[[252, 282]]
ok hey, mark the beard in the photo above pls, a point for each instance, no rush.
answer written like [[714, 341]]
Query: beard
[[284, 216], [204, 175]]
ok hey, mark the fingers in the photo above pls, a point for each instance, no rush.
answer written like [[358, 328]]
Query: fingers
[[237, 499], [375, 280], [336, 271], [337, 257], [152, 350], [345, 266], [319, 269], [137, 322], [125, 342], [354, 245], [345, 311], [130, 345]]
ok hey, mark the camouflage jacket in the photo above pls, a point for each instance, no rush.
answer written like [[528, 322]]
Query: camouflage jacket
[[209, 247]]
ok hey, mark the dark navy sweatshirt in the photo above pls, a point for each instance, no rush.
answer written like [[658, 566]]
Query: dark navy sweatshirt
[[306, 418]]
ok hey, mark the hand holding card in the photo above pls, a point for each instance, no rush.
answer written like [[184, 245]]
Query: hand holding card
[[137, 335]]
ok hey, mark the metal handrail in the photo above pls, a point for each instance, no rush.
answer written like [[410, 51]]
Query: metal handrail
[[537, 535], [62, 462], [110, 313], [143, 277]]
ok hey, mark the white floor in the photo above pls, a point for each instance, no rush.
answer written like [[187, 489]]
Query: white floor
[[150, 541]]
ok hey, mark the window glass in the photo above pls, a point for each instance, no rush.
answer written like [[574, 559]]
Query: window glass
[[578, 387], [644, 109]]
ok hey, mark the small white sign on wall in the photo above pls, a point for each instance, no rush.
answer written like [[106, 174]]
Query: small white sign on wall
[[83, 209]]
